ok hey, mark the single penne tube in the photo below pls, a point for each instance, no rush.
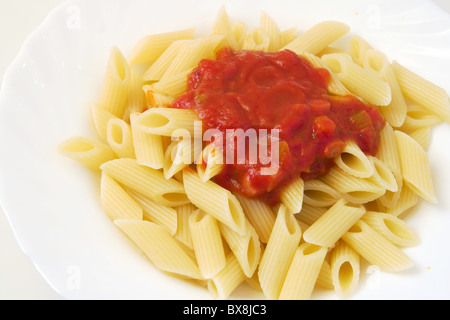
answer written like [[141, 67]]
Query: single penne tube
[[303, 272], [148, 148], [260, 215], [149, 48], [120, 138], [376, 249], [430, 96], [89, 152], [223, 284], [215, 200], [164, 121], [354, 189], [271, 29], [330, 227], [100, 118], [116, 202], [157, 213], [392, 228], [210, 162], [246, 248], [345, 267], [160, 247], [317, 38], [257, 40], [395, 112], [179, 154], [383, 175], [354, 161], [415, 166], [280, 250], [183, 233], [319, 194], [292, 195], [114, 94], [361, 82], [207, 243], [223, 26], [147, 181]]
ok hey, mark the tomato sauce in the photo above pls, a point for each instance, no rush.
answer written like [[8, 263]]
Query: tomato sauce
[[278, 90]]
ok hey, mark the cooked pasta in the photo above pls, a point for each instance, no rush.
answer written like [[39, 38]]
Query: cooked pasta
[[165, 191]]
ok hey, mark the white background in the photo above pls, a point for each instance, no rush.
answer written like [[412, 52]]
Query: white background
[[19, 279]]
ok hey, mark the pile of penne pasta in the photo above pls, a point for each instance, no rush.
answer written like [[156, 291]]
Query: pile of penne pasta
[[322, 230]]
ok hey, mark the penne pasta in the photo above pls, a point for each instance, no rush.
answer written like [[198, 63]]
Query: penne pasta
[[354, 161], [271, 29], [246, 248], [114, 94], [100, 118], [146, 181], [183, 233], [354, 189], [179, 154], [157, 213], [210, 162], [345, 269], [260, 215], [224, 27], [151, 47], [160, 247], [148, 147], [319, 194], [428, 95], [303, 272], [257, 40], [89, 152], [292, 195], [215, 200], [207, 243], [120, 138], [116, 202], [376, 249], [280, 249], [392, 228], [395, 112], [358, 49], [164, 184], [228, 279], [361, 82], [333, 224], [164, 121], [415, 166], [317, 38]]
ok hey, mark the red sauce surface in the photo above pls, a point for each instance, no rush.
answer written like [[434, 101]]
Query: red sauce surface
[[259, 90]]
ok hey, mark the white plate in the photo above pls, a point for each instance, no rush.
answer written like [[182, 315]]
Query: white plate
[[52, 203]]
